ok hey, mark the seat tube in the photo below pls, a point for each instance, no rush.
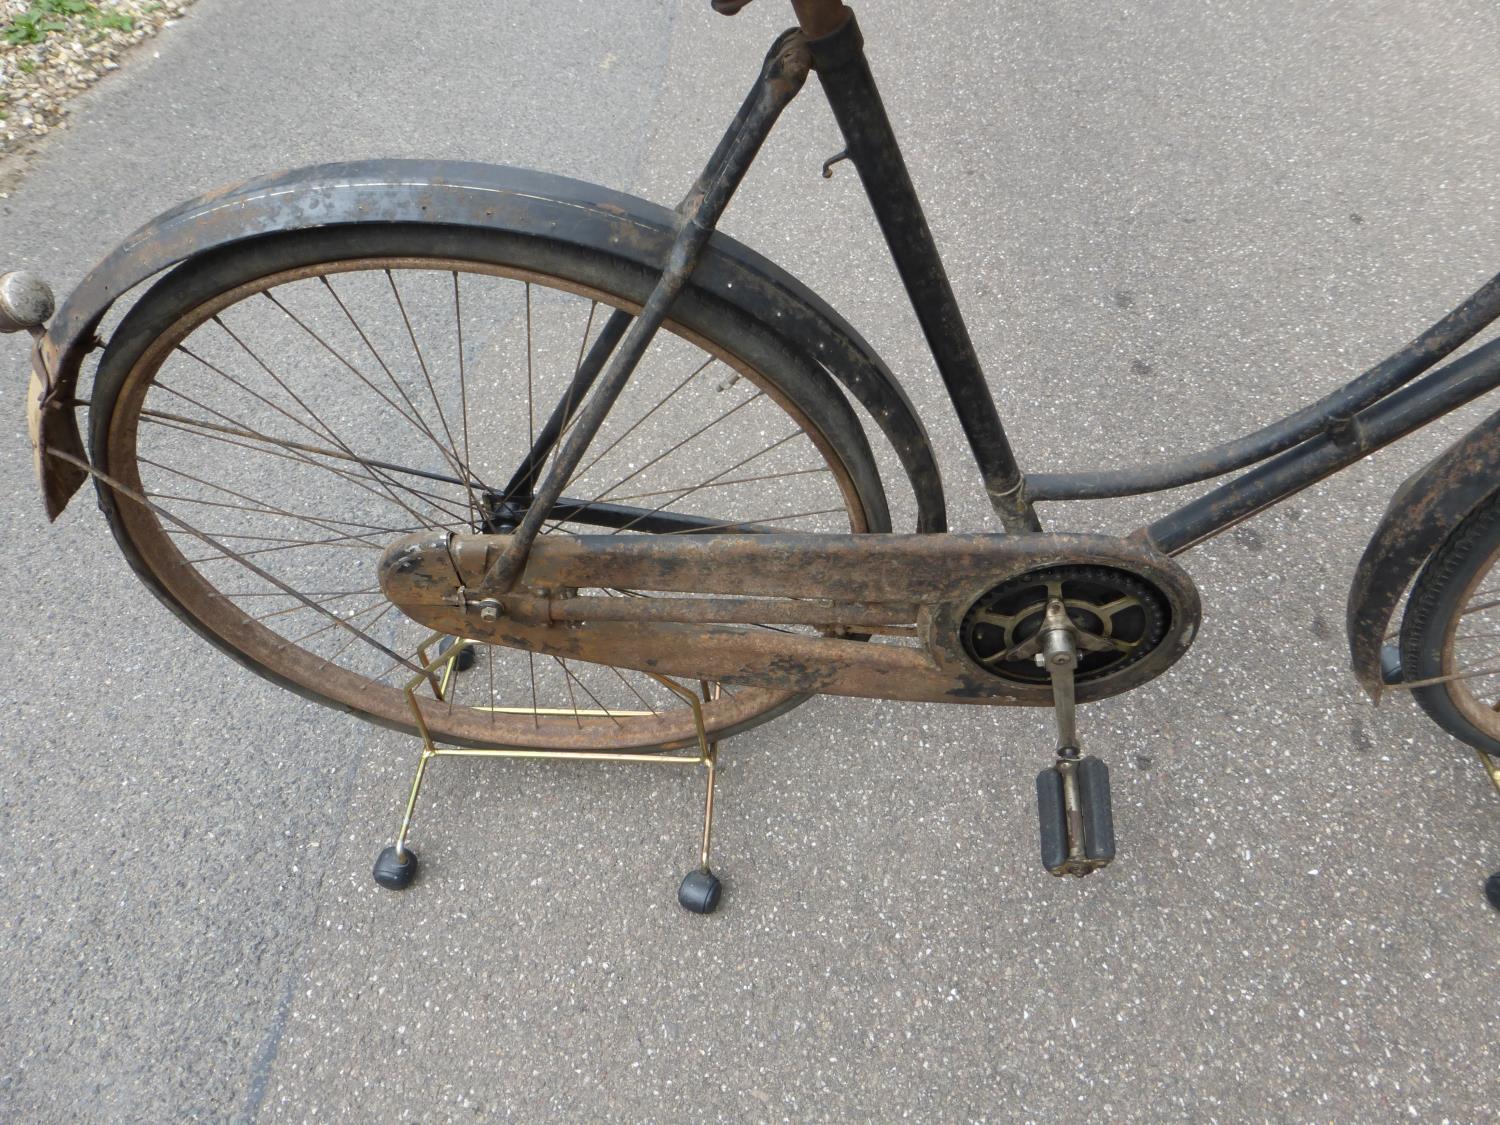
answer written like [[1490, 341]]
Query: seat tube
[[839, 59]]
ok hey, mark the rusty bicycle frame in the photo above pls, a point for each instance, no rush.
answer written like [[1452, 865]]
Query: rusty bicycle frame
[[504, 585], [922, 584], [1382, 405], [1390, 400]]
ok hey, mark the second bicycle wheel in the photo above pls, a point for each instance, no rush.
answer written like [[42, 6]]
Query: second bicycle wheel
[[292, 405], [1450, 631]]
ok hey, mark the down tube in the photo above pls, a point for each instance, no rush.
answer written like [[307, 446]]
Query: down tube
[[1392, 418], [839, 60]]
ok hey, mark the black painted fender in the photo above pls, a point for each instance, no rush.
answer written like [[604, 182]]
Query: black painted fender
[[1424, 510], [453, 193]]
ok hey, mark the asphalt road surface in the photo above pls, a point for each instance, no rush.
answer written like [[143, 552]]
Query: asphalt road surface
[[1167, 223]]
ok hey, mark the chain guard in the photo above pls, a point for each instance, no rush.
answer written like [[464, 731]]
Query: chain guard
[[939, 596]]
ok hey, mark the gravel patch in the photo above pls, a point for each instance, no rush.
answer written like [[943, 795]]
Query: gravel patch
[[52, 49]]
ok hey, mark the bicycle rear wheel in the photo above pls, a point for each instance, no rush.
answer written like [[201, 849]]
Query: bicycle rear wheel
[[291, 405]]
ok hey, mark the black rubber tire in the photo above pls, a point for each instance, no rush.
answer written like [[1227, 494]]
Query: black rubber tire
[[198, 280], [1440, 592]]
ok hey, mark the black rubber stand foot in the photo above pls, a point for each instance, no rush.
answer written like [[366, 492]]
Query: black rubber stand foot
[[465, 658], [1492, 890], [393, 874], [700, 892]]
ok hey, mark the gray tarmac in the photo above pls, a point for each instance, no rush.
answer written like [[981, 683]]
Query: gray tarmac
[[1167, 223]]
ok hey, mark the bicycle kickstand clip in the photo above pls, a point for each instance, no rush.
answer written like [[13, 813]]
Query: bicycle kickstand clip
[[1072, 794]]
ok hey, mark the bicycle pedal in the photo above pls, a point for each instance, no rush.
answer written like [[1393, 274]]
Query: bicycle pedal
[[1076, 816]]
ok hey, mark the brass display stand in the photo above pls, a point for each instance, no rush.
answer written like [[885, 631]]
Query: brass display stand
[[396, 866]]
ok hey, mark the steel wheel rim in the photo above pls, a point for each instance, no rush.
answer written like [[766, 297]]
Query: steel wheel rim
[[385, 704]]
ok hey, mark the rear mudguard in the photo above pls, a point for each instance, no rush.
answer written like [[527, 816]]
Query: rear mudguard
[[462, 194], [1429, 505]]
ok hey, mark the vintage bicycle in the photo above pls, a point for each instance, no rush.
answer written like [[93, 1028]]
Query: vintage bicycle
[[532, 468]]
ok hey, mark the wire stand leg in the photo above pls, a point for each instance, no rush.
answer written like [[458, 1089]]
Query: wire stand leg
[[396, 865]]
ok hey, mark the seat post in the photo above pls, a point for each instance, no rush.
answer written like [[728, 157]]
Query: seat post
[[815, 17], [820, 17]]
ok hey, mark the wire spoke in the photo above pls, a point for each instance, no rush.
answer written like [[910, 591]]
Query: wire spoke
[[530, 379], [1468, 610], [594, 698], [285, 540], [169, 421], [265, 505], [139, 498], [363, 482], [697, 487], [320, 424], [431, 389], [353, 616], [531, 666], [642, 419], [235, 595], [463, 394], [415, 423], [285, 547], [302, 608], [572, 699], [389, 374], [568, 416], [755, 524], [636, 691], [699, 432], [724, 483], [195, 425], [327, 523], [349, 643]]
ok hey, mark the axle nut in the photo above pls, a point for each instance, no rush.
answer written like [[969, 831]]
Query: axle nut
[[26, 301]]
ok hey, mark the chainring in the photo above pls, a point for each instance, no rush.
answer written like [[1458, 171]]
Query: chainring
[[1120, 617]]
